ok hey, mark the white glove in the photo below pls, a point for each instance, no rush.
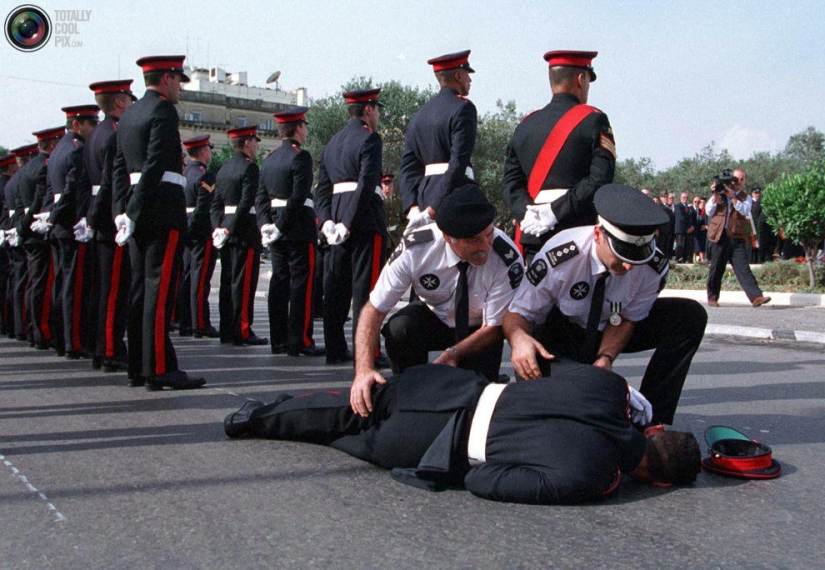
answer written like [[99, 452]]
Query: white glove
[[270, 234], [417, 218], [219, 238], [641, 412], [125, 229], [82, 232], [2, 238], [339, 235], [328, 229], [12, 238], [538, 220]]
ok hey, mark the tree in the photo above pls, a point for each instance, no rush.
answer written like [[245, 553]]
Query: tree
[[637, 173], [805, 149], [494, 133], [797, 205]]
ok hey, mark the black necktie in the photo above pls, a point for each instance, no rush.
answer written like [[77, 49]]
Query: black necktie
[[591, 338], [462, 303]]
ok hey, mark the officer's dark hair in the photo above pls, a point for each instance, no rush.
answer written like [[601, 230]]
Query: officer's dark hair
[[195, 152], [106, 101], [70, 122], [356, 110], [561, 74], [445, 77], [238, 144], [674, 457], [44, 145], [288, 130], [153, 77]]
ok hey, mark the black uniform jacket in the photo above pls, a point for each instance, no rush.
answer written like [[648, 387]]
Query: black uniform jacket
[[10, 192], [586, 162], [200, 186], [287, 175], [236, 185], [443, 130], [68, 190], [353, 154], [99, 157], [148, 142], [4, 208], [31, 196]]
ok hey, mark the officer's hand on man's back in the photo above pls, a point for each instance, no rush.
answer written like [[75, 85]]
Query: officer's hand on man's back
[[360, 397]]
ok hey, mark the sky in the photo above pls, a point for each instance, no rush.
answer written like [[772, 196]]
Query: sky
[[673, 76]]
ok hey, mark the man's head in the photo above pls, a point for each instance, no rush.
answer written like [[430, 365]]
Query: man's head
[[25, 153], [646, 192], [453, 70], [364, 104], [199, 148], [387, 185], [164, 74], [756, 194], [245, 140], [696, 201], [670, 199], [740, 179], [8, 164], [683, 198], [81, 119], [292, 124], [47, 138], [113, 97], [571, 72], [465, 217], [671, 457]]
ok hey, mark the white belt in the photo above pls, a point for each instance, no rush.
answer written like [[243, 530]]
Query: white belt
[[441, 167], [281, 203], [171, 177], [233, 209], [190, 210], [477, 443], [25, 210], [95, 189], [57, 197], [11, 213], [547, 196], [342, 187]]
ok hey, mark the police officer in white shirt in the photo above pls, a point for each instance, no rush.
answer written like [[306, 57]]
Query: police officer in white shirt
[[432, 260], [592, 293]]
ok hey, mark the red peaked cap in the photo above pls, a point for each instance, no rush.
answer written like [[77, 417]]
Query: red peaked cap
[[25, 150], [7, 160], [387, 178], [49, 134], [572, 59], [197, 142], [164, 63], [82, 111], [291, 115], [116, 86], [363, 96], [243, 132], [459, 60]]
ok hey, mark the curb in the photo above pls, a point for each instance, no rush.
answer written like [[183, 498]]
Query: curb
[[739, 298], [764, 334]]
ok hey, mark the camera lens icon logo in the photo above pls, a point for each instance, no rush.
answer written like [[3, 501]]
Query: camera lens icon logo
[[28, 28]]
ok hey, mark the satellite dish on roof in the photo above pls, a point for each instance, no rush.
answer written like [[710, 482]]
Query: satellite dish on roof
[[273, 78]]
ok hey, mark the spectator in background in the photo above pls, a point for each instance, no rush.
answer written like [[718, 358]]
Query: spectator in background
[[684, 230], [701, 230]]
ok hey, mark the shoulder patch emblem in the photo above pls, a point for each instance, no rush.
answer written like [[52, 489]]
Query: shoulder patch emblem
[[562, 253], [537, 272], [421, 236], [515, 273], [658, 262], [505, 251], [607, 144], [430, 281], [396, 253], [208, 187], [580, 290]]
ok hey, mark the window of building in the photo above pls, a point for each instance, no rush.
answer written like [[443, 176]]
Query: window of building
[[196, 116], [241, 121]]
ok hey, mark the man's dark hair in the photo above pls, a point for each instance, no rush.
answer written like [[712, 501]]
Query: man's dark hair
[[106, 101], [153, 77], [238, 144], [81, 120], [45, 145], [445, 76], [287, 130], [561, 74], [674, 457], [356, 110]]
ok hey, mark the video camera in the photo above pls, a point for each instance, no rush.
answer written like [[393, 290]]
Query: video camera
[[722, 180]]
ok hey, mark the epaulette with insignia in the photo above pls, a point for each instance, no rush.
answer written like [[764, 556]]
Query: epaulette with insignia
[[562, 253], [505, 251], [658, 262], [421, 236]]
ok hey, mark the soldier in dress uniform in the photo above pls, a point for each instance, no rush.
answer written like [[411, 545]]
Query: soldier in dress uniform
[[234, 218], [147, 172], [8, 167], [351, 215], [18, 274], [113, 266], [559, 156], [200, 256], [286, 217], [448, 264], [439, 141], [595, 289], [31, 200]]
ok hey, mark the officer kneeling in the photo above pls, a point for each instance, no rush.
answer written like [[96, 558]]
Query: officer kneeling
[[463, 290]]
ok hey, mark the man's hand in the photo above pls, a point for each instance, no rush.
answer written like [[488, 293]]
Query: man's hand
[[219, 237], [523, 356], [269, 234], [339, 235], [603, 362], [641, 412], [538, 220], [449, 357], [328, 229], [417, 219], [360, 396]]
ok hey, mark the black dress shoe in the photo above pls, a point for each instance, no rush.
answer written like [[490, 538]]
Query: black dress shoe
[[177, 380], [340, 359], [211, 332], [114, 365], [381, 361], [185, 332], [278, 348], [71, 355], [252, 340], [97, 363], [62, 352], [236, 424], [136, 382], [308, 351]]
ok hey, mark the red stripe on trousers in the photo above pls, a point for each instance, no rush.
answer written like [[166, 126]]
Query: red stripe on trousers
[[308, 316], [111, 307], [160, 309], [247, 283], [47, 304], [77, 304], [207, 257]]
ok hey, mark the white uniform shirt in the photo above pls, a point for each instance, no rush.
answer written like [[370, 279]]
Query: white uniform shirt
[[425, 261], [564, 274]]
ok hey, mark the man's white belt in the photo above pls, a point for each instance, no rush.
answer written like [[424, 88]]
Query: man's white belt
[[171, 177], [232, 209], [550, 194], [25, 210], [281, 203], [11, 213], [190, 210], [57, 197], [477, 443], [342, 187], [441, 167], [95, 189]]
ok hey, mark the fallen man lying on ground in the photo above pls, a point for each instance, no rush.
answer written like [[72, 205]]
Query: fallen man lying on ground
[[556, 440]]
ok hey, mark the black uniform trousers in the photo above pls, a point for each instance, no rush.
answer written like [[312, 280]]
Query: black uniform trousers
[[39, 320], [202, 260], [154, 260], [18, 280], [183, 287], [57, 328], [318, 286], [114, 277], [673, 329], [225, 311], [352, 269], [290, 294], [74, 298], [6, 316], [415, 330], [684, 248], [244, 272], [734, 251]]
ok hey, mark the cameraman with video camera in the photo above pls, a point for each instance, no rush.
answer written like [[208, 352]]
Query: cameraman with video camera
[[727, 209]]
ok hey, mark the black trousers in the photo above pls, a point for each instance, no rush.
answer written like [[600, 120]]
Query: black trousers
[[183, 305], [728, 249], [415, 330], [318, 286], [245, 267], [684, 248], [155, 260], [351, 270], [290, 294], [6, 311], [75, 295], [18, 280], [114, 277], [225, 295], [38, 300], [202, 260], [673, 329]]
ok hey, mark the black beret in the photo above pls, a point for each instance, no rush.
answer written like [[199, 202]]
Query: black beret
[[465, 212]]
